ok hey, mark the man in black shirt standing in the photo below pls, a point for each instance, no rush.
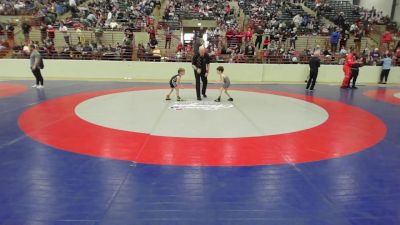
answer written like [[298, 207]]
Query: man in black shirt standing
[[201, 66], [259, 35], [314, 63]]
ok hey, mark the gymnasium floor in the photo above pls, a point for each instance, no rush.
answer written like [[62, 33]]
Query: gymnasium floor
[[114, 153]]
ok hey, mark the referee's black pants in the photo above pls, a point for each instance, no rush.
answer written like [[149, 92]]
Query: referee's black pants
[[354, 76], [38, 75], [312, 79], [204, 80], [384, 75], [258, 42]]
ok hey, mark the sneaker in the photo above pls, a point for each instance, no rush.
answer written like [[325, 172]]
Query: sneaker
[[230, 99], [312, 90], [204, 96], [354, 87], [217, 100], [198, 99], [40, 87], [167, 98], [34, 85], [179, 99]]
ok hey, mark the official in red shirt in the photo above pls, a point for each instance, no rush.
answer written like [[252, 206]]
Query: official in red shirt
[[349, 61]]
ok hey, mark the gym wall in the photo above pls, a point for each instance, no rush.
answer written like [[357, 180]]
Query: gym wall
[[161, 72], [380, 5]]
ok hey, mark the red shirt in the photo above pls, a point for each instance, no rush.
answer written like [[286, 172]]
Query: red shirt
[[148, 20], [51, 33], [239, 36], [266, 41], [152, 33], [229, 34], [228, 9], [249, 35], [188, 48], [387, 37], [349, 60], [180, 47]]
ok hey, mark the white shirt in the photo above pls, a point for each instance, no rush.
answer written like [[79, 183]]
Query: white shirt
[[72, 3], [64, 30]]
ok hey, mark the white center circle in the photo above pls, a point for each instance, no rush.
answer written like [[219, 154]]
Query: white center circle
[[397, 95], [251, 114]]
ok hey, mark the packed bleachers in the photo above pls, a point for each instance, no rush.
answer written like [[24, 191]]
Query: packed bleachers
[[278, 13], [107, 15], [336, 10], [29, 7], [274, 31], [88, 51], [218, 10]]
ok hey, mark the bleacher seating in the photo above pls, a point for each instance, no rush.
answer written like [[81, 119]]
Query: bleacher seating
[[336, 7], [112, 40]]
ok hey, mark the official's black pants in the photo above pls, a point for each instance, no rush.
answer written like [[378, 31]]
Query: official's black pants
[[384, 76], [312, 79], [204, 80], [38, 75], [354, 76], [258, 42]]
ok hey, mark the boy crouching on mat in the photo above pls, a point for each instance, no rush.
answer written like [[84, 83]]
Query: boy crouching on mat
[[175, 84], [224, 80]]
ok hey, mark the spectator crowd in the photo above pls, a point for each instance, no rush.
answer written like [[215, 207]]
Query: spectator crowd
[[273, 28]]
